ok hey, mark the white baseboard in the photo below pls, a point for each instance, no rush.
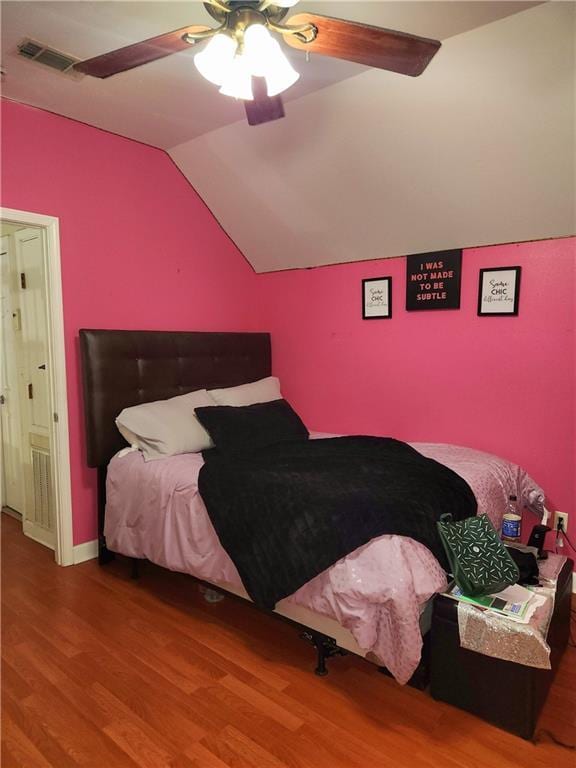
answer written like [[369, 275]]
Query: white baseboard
[[86, 551]]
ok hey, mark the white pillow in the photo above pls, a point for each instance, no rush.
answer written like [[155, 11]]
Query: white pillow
[[262, 391], [166, 427]]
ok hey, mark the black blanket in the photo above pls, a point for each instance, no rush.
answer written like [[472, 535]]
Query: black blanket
[[287, 512]]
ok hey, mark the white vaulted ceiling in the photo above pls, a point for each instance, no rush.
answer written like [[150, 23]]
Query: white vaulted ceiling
[[477, 150]]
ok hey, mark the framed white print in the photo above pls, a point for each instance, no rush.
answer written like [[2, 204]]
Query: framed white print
[[377, 298], [499, 291]]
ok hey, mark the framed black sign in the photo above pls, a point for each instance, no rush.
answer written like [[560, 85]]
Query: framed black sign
[[433, 280]]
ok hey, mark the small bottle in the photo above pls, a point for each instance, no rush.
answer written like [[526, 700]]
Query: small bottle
[[511, 521]]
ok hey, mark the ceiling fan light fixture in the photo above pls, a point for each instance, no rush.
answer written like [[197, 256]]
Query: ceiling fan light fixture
[[238, 80], [215, 61]]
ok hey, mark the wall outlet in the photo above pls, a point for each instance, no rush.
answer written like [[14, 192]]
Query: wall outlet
[[561, 516]]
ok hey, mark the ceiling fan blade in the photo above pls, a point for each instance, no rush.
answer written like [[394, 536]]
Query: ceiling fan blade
[[137, 54], [264, 108], [365, 44]]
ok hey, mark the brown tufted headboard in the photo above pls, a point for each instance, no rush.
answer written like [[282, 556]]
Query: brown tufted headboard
[[123, 368]]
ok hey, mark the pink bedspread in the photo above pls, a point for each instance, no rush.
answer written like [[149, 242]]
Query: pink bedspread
[[154, 511]]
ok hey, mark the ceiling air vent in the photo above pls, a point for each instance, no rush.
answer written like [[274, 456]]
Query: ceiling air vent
[[41, 54]]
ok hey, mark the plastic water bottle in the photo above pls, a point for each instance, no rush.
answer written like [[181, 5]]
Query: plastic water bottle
[[512, 521]]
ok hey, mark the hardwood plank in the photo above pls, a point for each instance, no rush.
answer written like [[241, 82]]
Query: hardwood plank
[[17, 749], [13, 682], [28, 613], [136, 744], [201, 757], [262, 703], [159, 719], [43, 742], [297, 749], [82, 743], [237, 749], [58, 682]]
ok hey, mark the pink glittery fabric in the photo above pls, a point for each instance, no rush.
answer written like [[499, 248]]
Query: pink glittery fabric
[[154, 511]]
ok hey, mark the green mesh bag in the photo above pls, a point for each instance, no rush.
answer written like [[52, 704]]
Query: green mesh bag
[[480, 563]]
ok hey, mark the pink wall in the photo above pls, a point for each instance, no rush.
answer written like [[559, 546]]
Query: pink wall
[[139, 248], [505, 385]]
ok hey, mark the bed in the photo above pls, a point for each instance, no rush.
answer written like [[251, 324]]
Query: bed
[[152, 510]]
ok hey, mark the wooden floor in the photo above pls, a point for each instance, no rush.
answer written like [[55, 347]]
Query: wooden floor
[[102, 671]]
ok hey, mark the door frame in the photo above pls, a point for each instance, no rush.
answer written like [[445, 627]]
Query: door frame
[[58, 400]]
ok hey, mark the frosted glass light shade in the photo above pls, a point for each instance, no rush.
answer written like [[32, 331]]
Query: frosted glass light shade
[[258, 44], [216, 59], [238, 80], [266, 59], [280, 74]]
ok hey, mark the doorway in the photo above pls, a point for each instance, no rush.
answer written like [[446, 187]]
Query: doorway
[[24, 413], [35, 472]]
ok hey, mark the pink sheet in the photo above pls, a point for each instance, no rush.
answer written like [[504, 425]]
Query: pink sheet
[[154, 511]]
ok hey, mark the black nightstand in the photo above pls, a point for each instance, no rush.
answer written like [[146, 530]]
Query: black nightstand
[[508, 695]]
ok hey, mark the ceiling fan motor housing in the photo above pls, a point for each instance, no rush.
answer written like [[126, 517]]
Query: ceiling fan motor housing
[[272, 12]]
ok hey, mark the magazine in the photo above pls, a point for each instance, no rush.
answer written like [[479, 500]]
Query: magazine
[[516, 602]]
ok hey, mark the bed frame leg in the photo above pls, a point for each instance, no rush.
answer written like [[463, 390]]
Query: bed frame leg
[[104, 554], [135, 572], [321, 670], [325, 648]]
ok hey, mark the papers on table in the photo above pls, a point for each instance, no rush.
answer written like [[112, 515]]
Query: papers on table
[[516, 603]]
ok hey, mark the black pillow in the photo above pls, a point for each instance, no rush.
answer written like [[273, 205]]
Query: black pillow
[[249, 427]]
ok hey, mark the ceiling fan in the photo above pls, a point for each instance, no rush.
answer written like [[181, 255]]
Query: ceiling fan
[[247, 62]]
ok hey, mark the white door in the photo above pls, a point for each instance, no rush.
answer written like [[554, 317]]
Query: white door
[[12, 475], [32, 346]]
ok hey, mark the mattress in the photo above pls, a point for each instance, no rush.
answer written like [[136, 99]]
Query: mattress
[[154, 511]]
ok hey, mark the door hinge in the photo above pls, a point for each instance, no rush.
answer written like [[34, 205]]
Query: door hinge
[[55, 416], [30, 392], [23, 280], [2, 399]]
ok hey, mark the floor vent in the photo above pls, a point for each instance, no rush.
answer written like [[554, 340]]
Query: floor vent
[[41, 54], [42, 512]]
